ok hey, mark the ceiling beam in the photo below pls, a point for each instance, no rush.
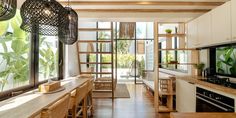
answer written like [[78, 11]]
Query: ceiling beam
[[146, 10], [163, 3]]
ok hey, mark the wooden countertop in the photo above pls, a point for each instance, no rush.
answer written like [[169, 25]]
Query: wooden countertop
[[31, 103], [197, 80], [203, 115]]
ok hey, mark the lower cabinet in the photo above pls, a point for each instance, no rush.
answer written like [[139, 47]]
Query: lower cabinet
[[185, 96]]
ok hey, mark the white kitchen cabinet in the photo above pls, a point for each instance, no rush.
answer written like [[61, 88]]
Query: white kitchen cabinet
[[221, 24], [185, 96], [233, 13], [192, 34], [204, 30]]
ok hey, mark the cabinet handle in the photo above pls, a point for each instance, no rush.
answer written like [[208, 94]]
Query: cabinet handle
[[191, 83], [227, 38], [234, 37]]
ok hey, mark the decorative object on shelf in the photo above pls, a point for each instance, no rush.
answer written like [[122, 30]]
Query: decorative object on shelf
[[168, 31], [69, 33], [173, 62], [45, 16], [199, 68], [7, 9]]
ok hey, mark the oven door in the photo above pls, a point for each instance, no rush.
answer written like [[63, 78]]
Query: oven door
[[206, 104]]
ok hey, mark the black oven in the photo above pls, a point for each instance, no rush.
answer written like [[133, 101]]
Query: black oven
[[208, 101]]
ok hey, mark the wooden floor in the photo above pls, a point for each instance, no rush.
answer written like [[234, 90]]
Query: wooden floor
[[139, 105]]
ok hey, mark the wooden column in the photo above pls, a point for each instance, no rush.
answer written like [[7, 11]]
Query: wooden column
[[181, 30], [194, 59], [156, 66]]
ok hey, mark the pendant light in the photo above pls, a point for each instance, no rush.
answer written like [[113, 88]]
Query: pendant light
[[45, 16], [69, 34], [7, 9]]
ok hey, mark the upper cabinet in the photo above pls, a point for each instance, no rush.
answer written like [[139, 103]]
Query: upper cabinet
[[204, 30], [233, 12], [221, 24], [192, 34]]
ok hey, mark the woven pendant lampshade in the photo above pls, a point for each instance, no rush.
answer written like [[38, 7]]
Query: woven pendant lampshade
[[7, 9], [69, 33], [46, 16]]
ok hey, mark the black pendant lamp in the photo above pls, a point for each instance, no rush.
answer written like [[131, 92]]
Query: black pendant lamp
[[43, 16], [69, 34], [7, 9]]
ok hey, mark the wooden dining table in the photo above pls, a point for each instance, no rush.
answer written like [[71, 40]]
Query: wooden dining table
[[31, 103]]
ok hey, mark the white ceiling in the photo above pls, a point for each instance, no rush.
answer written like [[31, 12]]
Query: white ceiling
[[131, 16]]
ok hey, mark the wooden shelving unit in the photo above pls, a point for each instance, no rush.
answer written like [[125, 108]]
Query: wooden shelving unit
[[104, 79], [165, 88], [166, 94]]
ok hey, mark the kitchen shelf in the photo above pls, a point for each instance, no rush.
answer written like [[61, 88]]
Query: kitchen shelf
[[171, 35], [178, 49]]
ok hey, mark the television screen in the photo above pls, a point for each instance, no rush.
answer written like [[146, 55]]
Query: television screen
[[226, 60]]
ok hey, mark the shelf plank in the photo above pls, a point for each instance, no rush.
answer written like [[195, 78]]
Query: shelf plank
[[94, 41], [177, 64], [95, 62], [165, 93], [95, 52], [178, 49], [93, 29], [171, 35], [164, 109]]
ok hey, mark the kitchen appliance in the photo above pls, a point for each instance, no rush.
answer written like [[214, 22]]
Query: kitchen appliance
[[208, 101], [208, 72], [220, 81]]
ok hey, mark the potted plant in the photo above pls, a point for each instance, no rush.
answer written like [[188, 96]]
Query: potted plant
[[168, 31], [199, 68]]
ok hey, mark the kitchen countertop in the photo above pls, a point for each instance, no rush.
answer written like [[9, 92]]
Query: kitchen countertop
[[197, 80], [203, 115]]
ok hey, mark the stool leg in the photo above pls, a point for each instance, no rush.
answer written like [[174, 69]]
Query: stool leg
[[85, 107], [91, 101], [74, 111]]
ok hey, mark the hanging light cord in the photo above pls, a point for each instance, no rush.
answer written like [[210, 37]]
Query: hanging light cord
[[68, 3]]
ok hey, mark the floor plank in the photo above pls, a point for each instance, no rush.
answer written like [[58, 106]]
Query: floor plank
[[139, 105]]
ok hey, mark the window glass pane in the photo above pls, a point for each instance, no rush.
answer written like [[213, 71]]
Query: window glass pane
[[14, 54], [141, 29], [48, 57]]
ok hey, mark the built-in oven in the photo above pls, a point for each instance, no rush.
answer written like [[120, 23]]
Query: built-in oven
[[208, 101]]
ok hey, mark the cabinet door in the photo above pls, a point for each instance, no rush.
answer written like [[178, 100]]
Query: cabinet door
[[185, 96], [204, 30], [233, 7], [192, 34], [221, 25]]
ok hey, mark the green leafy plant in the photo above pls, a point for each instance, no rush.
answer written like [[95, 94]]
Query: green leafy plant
[[168, 31], [226, 60], [47, 59], [14, 57], [199, 66]]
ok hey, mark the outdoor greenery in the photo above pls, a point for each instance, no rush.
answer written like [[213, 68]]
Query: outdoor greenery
[[14, 45], [226, 60], [14, 54]]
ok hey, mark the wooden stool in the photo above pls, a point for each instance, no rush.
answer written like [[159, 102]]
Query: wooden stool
[[77, 96], [58, 109]]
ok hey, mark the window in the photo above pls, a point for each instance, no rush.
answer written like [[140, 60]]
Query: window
[[14, 54], [48, 57], [16, 61], [144, 30]]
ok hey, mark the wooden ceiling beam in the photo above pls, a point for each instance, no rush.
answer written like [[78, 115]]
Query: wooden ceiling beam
[[162, 3], [146, 10]]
